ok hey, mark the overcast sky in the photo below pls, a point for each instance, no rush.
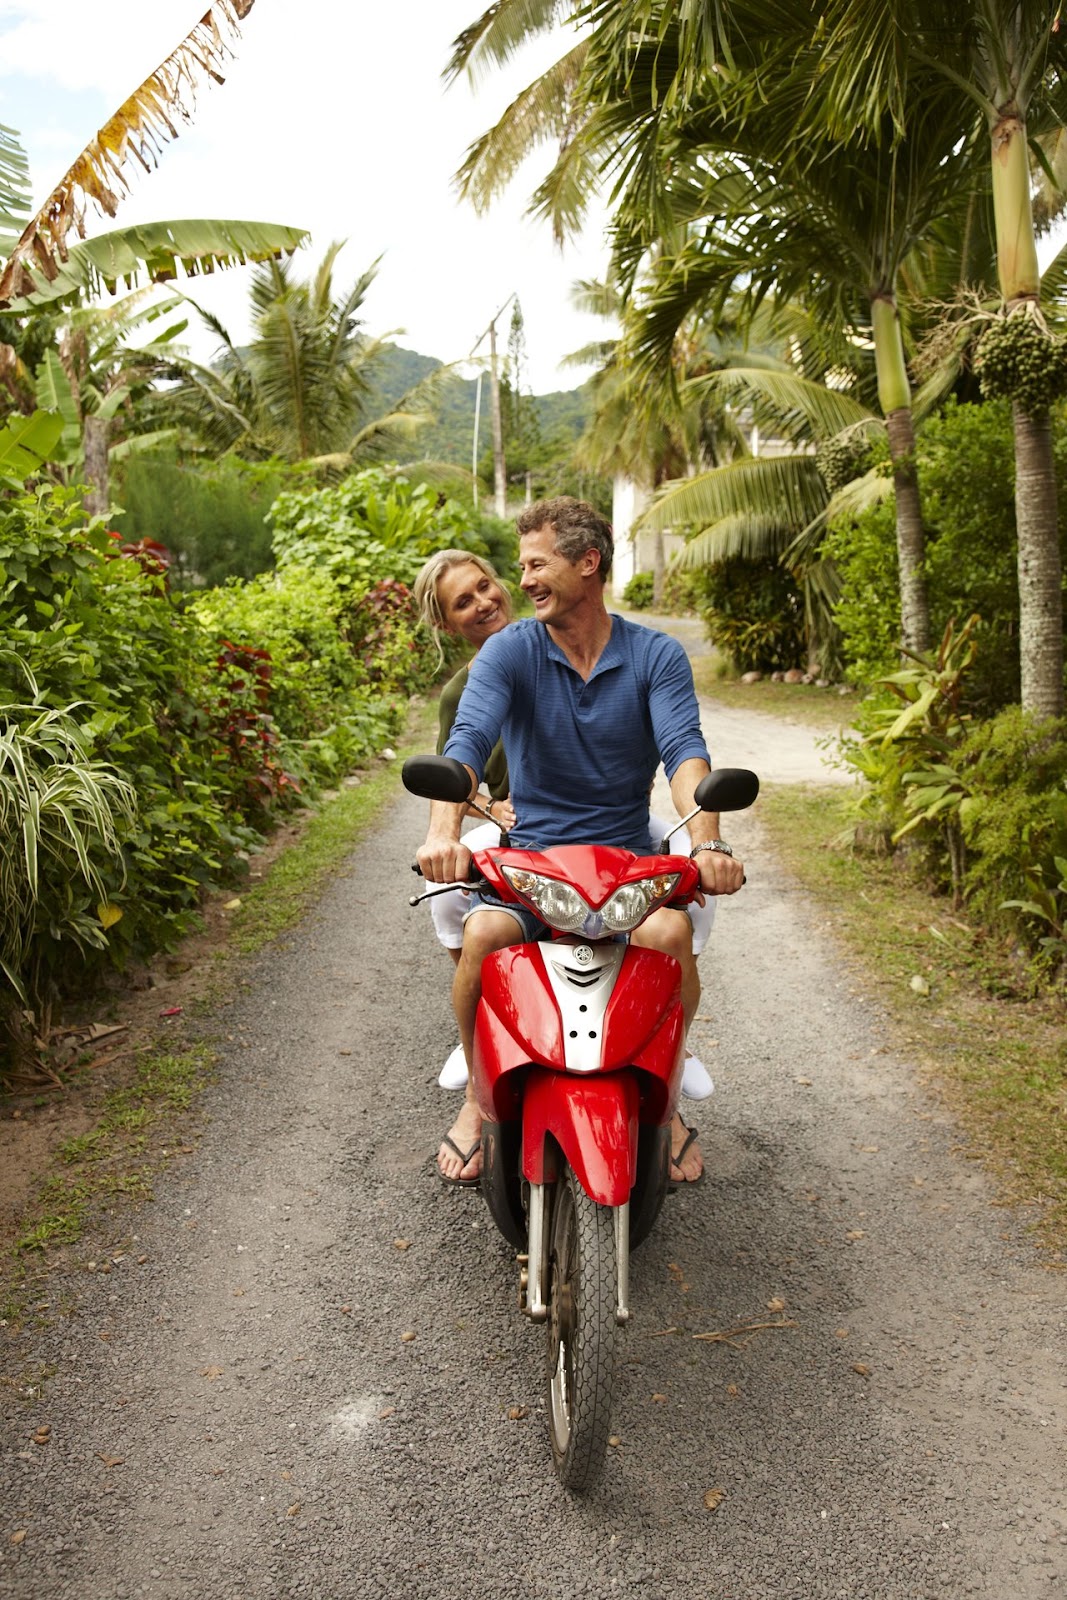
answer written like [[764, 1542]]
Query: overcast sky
[[334, 118]]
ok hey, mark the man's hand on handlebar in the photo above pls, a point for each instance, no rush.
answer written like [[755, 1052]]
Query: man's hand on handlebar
[[719, 873], [444, 860]]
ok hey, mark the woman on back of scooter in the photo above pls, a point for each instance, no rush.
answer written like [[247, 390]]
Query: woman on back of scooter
[[459, 593]]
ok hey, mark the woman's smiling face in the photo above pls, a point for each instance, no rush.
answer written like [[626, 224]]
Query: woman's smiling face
[[472, 604]]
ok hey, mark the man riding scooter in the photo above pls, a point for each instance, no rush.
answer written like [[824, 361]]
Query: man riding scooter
[[588, 705]]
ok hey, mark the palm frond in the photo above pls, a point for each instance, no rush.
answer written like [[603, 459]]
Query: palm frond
[[1054, 282], [142, 125], [746, 536], [500, 33], [786, 488], [564, 195], [142, 443], [854, 498], [799, 407], [591, 355], [543, 111], [596, 297]]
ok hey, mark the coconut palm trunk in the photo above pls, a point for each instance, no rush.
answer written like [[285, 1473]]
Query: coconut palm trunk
[[894, 395], [1036, 516], [1039, 565]]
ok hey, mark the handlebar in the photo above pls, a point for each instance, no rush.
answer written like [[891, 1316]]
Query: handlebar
[[474, 878]]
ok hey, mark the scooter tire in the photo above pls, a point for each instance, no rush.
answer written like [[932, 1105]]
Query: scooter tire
[[650, 1189], [582, 1330], [502, 1179]]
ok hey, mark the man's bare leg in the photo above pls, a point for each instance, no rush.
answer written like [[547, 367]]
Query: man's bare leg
[[671, 932], [483, 932]]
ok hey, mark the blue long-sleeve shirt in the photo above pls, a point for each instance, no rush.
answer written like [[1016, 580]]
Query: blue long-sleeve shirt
[[581, 755]]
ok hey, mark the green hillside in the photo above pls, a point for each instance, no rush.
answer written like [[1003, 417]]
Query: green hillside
[[561, 416]]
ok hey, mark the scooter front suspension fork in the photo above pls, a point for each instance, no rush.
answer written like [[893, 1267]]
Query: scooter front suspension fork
[[534, 1265], [535, 1273]]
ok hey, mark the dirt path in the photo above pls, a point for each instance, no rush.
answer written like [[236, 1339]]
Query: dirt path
[[297, 1378]]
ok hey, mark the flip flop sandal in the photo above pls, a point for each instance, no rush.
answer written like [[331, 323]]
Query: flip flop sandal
[[674, 1184], [463, 1183]]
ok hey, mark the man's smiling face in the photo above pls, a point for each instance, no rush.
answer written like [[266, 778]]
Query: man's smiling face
[[554, 584]]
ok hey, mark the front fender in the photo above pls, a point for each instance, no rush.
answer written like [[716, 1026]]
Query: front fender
[[594, 1122]]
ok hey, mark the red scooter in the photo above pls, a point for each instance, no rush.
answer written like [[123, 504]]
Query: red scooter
[[578, 1053]]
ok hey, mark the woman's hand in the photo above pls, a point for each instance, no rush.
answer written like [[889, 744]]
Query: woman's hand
[[503, 813]]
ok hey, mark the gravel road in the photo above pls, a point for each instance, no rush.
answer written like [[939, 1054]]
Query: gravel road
[[305, 1374]]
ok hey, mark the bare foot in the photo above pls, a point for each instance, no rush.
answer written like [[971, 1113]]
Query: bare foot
[[685, 1168], [465, 1133]]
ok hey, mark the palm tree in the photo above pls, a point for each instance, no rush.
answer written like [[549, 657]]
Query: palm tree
[[302, 387], [693, 153], [1008, 58], [777, 506]]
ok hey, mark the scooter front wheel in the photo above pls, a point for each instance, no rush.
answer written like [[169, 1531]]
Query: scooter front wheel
[[583, 1283]]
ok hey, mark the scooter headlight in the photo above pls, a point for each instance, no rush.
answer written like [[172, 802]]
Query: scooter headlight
[[555, 903], [633, 901]]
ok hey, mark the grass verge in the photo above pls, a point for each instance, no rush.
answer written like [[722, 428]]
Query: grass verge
[[301, 872], [999, 1063], [828, 709], [150, 1118]]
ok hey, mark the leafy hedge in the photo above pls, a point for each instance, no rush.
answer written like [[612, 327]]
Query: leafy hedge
[[213, 712], [376, 524]]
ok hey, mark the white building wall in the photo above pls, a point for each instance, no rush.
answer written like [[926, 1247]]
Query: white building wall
[[628, 500]]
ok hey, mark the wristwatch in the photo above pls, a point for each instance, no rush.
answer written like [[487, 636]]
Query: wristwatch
[[712, 844]]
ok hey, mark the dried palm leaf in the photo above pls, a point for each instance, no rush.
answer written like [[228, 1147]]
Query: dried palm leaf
[[139, 129]]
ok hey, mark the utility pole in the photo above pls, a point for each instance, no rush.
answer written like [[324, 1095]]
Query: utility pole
[[477, 422], [500, 485]]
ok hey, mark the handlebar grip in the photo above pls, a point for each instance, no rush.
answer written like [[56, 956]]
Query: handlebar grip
[[474, 876]]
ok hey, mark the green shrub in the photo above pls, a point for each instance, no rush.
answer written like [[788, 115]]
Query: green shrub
[[638, 593], [966, 470], [371, 526], [753, 613], [98, 629], [981, 805], [214, 712], [908, 750], [1015, 828], [328, 708]]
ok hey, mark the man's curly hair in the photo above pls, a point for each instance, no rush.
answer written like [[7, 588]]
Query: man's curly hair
[[578, 527]]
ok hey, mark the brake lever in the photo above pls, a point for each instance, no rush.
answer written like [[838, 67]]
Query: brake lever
[[472, 882]]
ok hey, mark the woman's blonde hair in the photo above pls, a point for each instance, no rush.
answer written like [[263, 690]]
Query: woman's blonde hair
[[424, 588]]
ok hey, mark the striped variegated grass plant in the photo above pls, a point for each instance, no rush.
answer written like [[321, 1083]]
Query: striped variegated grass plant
[[61, 815]]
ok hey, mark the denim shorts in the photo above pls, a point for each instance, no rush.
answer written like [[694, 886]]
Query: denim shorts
[[533, 929]]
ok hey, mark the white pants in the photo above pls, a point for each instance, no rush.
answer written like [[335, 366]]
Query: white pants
[[448, 910]]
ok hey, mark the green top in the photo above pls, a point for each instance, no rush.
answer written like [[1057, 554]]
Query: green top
[[496, 768]]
